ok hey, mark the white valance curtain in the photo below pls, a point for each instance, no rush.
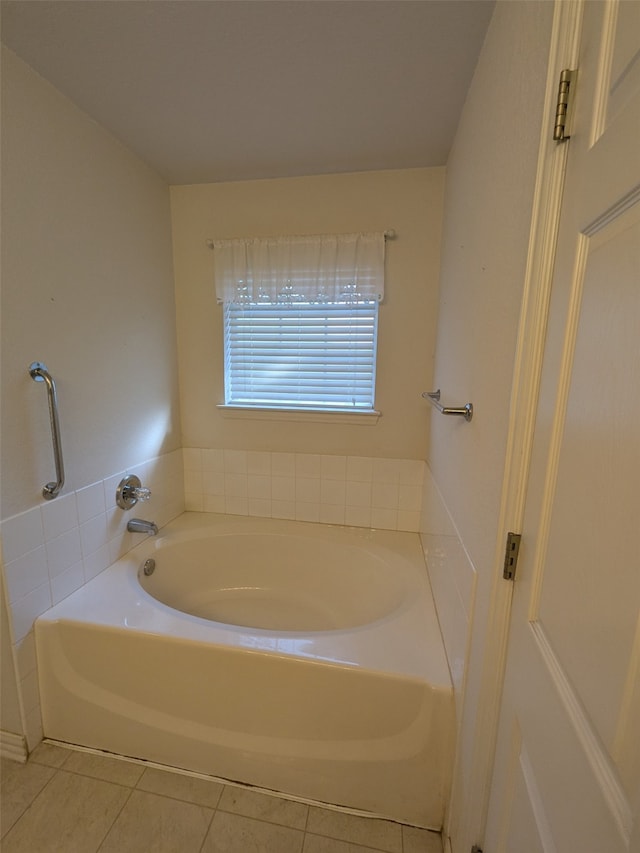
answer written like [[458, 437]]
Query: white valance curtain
[[318, 269]]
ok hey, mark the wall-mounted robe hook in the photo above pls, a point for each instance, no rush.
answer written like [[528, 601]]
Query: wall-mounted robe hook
[[465, 411]]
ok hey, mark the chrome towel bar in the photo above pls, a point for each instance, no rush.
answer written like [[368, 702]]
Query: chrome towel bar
[[39, 373], [465, 411]]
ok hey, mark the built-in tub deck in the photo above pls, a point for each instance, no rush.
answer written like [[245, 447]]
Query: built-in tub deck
[[359, 715]]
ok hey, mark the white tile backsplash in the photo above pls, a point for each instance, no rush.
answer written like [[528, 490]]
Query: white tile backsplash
[[308, 490], [361, 491], [356, 516], [259, 507], [384, 496], [25, 651], [283, 509], [235, 461], [96, 562], [26, 573], [22, 533], [93, 534], [236, 485], [307, 511], [358, 494], [308, 465], [408, 520], [26, 610], [452, 576], [213, 482], [333, 492], [90, 501], [212, 460], [359, 469], [386, 471], [333, 467], [67, 582], [30, 691], [283, 465], [259, 487], [332, 513], [63, 552], [236, 505], [409, 497], [53, 549], [59, 516], [213, 503], [259, 463], [283, 488], [192, 458]]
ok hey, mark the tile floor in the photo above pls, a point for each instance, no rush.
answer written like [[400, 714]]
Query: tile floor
[[78, 802]]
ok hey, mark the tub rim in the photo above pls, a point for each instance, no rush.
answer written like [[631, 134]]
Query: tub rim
[[407, 643]]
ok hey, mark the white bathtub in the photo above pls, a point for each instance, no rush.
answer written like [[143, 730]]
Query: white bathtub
[[323, 675]]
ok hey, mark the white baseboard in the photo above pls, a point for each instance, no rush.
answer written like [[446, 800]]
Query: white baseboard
[[13, 747]]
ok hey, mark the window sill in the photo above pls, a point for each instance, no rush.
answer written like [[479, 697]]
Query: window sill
[[363, 418]]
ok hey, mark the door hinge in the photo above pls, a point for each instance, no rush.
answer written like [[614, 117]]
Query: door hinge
[[511, 556], [566, 89]]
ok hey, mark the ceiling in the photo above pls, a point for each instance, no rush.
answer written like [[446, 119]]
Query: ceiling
[[226, 90]]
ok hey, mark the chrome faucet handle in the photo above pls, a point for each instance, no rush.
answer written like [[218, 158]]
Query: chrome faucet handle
[[130, 491], [140, 493]]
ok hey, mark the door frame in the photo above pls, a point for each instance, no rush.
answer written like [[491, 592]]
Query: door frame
[[532, 326]]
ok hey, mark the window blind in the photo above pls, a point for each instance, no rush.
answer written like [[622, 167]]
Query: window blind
[[301, 355]]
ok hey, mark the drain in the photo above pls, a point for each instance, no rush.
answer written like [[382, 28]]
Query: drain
[[149, 566]]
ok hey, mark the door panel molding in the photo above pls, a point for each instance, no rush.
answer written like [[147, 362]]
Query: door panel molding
[[614, 212], [557, 429], [536, 801], [603, 83], [595, 752]]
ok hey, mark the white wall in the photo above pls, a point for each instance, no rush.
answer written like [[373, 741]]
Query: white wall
[[87, 288], [487, 219], [408, 201], [10, 719]]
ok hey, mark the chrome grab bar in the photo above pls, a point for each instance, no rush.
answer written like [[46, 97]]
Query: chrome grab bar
[[465, 411], [39, 373]]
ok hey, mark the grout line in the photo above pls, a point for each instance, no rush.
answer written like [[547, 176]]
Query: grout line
[[179, 771], [225, 783], [5, 833], [303, 832], [206, 835], [113, 823]]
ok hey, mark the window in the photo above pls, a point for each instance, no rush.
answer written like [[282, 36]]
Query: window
[[300, 321]]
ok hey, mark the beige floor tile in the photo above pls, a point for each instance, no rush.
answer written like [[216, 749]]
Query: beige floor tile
[[71, 815], [420, 840], [102, 767], [370, 832], [230, 833], [264, 807], [149, 822], [20, 784], [322, 844], [50, 754], [202, 792]]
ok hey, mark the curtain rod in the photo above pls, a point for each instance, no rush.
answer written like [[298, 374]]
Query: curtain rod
[[388, 235]]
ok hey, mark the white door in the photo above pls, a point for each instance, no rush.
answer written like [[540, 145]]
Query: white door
[[567, 769]]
